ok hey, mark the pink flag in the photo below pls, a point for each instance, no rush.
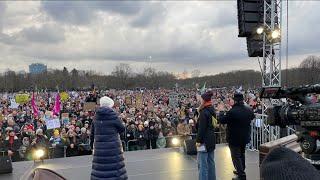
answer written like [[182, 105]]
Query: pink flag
[[34, 106], [57, 105]]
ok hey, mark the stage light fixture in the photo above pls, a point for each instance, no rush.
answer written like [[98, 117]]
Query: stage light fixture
[[260, 30], [39, 153], [175, 141], [275, 34]]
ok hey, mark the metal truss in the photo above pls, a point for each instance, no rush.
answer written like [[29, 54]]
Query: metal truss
[[270, 71]]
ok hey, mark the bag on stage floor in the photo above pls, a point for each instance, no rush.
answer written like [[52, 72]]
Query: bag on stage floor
[[5, 165], [190, 147]]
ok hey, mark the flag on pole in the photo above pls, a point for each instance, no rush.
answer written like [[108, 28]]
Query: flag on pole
[[57, 105], [34, 106], [203, 89]]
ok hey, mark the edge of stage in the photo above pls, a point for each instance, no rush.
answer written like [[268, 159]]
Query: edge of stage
[[144, 165]]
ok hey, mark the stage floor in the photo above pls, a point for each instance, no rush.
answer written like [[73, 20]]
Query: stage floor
[[158, 164]]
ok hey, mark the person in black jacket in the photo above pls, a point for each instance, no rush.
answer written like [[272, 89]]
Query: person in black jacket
[[205, 140], [141, 141], [108, 160], [238, 121]]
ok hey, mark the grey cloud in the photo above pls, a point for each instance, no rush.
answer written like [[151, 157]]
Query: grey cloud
[[83, 12], [151, 13], [45, 34], [74, 12], [3, 7], [121, 7]]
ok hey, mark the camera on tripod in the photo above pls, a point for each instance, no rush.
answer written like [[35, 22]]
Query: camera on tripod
[[300, 110]]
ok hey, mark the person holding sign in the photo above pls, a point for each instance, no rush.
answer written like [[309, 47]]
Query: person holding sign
[[108, 160], [205, 140]]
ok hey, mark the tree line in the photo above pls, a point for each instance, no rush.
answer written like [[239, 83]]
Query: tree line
[[123, 77]]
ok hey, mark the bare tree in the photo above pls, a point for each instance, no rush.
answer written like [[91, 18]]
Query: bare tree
[[311, 68]]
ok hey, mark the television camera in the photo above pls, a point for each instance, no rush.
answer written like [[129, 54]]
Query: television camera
[[300, 110]]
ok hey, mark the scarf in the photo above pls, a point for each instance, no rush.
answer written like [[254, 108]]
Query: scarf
[[205, 104], [11, 140]]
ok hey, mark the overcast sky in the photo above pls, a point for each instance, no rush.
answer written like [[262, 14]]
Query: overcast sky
[[171, 36]]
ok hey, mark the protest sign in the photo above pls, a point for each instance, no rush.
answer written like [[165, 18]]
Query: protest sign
[[64, 96], [128, 100], [53, 123], [48, 115], [139, 101], [65, 118], [22, 98], [13, 104], [89, 106]]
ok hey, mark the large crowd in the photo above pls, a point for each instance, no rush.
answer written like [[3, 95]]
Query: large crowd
[[151, 118]]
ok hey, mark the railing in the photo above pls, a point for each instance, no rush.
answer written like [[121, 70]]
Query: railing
[[262, 133], [220, 138]]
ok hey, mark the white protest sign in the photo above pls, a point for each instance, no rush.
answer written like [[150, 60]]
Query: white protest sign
[[13, 104], [53, 123]]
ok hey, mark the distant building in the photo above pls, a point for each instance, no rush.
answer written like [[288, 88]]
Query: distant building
[[37, 68], [22, 72]]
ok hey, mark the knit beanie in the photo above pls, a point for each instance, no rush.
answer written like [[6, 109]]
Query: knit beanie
[[285, 164], [238, 97], [106, 102], [207, 96]]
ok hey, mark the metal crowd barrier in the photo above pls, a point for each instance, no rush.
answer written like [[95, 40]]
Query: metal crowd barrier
[[124, 146], [262, 133], [128, 143]]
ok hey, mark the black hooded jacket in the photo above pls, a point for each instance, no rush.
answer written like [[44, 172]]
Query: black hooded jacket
[[205, 128], [238, 121]]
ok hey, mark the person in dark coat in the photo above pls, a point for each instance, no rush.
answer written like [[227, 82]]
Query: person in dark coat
[[108, 160], [205, 140], [238, 121], [141, 141], [12, 145]]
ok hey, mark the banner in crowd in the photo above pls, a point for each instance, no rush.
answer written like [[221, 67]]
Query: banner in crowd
[[35, 109], [53, 123], [57, 105], [22, 98]]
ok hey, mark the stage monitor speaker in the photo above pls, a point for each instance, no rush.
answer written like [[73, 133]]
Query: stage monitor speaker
[[190, 147]]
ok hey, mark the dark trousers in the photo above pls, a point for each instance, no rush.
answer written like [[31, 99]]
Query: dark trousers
[[238, 159], [148, 144], [152, 142]]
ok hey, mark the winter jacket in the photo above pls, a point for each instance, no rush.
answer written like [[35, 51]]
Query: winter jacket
[[238, 121], [141, 141], [108, 160], [13, 147], [205, 133]]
